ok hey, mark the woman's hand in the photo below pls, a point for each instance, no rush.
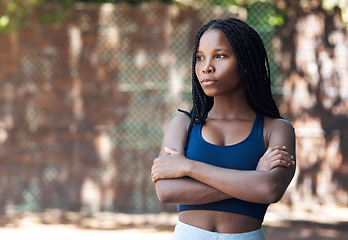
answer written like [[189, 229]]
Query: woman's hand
[[275, 157], [170, 165]]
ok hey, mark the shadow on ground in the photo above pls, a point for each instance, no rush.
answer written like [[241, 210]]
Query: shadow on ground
[[162, 225], [307, 230]]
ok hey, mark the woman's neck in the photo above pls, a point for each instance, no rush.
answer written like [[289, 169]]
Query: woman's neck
[[226, 108]]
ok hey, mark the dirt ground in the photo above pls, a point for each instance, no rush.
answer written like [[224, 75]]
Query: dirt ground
[[280, 224], [292, 230], [320, 223]]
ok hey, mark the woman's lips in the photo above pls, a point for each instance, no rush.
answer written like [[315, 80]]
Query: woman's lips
[[208, 82]]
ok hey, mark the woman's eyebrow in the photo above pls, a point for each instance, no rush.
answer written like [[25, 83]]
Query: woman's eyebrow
[[223, 49], [219, 49]]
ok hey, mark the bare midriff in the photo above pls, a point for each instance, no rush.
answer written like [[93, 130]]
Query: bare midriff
[[221, 222]]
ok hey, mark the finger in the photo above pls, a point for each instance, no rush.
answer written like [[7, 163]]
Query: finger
[[273, 150], [282, 163], [268, 151], [170, 150], [282, 149], [155, 164], [281, 160], [285, 156], [154, 167], [277, 147], [279, 163], [289, 159], [277, 151], [155, 177], [156, 160], [153, 171]]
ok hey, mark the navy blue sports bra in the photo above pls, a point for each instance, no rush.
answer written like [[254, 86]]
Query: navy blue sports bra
[[244, 155]]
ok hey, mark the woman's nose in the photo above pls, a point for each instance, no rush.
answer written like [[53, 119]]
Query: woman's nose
[[208, 69]]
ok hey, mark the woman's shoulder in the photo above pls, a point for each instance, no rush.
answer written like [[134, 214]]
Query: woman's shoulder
[[175, 134], [180, 120], [279, 125]]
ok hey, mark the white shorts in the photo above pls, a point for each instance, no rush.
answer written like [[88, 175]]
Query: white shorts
[[185, 231]]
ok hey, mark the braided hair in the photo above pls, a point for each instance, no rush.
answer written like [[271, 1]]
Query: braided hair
[[253, 62]]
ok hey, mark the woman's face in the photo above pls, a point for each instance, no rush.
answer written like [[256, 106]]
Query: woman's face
[[217, 68]]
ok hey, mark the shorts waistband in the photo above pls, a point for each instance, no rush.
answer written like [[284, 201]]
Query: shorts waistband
[[184, 231]]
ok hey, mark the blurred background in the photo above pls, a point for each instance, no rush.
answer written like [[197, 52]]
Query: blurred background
[[87, 88]]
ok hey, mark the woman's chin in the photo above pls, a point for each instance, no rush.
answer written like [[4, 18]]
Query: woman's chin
[[210, 93]]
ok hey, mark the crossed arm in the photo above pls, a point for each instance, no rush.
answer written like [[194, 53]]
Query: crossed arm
[[181, 180]]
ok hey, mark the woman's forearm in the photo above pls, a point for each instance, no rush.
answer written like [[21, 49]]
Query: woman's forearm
[[253, 186], [187, 191]]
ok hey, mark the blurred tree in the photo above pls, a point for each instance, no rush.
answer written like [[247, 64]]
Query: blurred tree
[[312, 51], [15, 13]]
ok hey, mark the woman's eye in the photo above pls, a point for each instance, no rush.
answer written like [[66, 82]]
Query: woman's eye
[[220, 56], [199, 58]]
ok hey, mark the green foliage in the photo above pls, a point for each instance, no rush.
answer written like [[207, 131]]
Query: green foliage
[[120, 1], [17, 12], [62, 8], [264, 14]]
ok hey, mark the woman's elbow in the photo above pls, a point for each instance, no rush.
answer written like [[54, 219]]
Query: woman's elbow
[[275, 187], [164, 193], [274, 193], [163, 197]]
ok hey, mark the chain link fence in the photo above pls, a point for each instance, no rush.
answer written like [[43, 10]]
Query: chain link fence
[[85, 101]]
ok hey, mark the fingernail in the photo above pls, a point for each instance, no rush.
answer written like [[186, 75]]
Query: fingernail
[[284, 146]]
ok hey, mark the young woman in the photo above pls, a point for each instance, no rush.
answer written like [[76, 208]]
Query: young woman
[[232, 155]]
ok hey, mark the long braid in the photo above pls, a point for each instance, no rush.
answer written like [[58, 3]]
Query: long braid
[[201, 102], [253, 58], [247, 52], [253, 62]]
